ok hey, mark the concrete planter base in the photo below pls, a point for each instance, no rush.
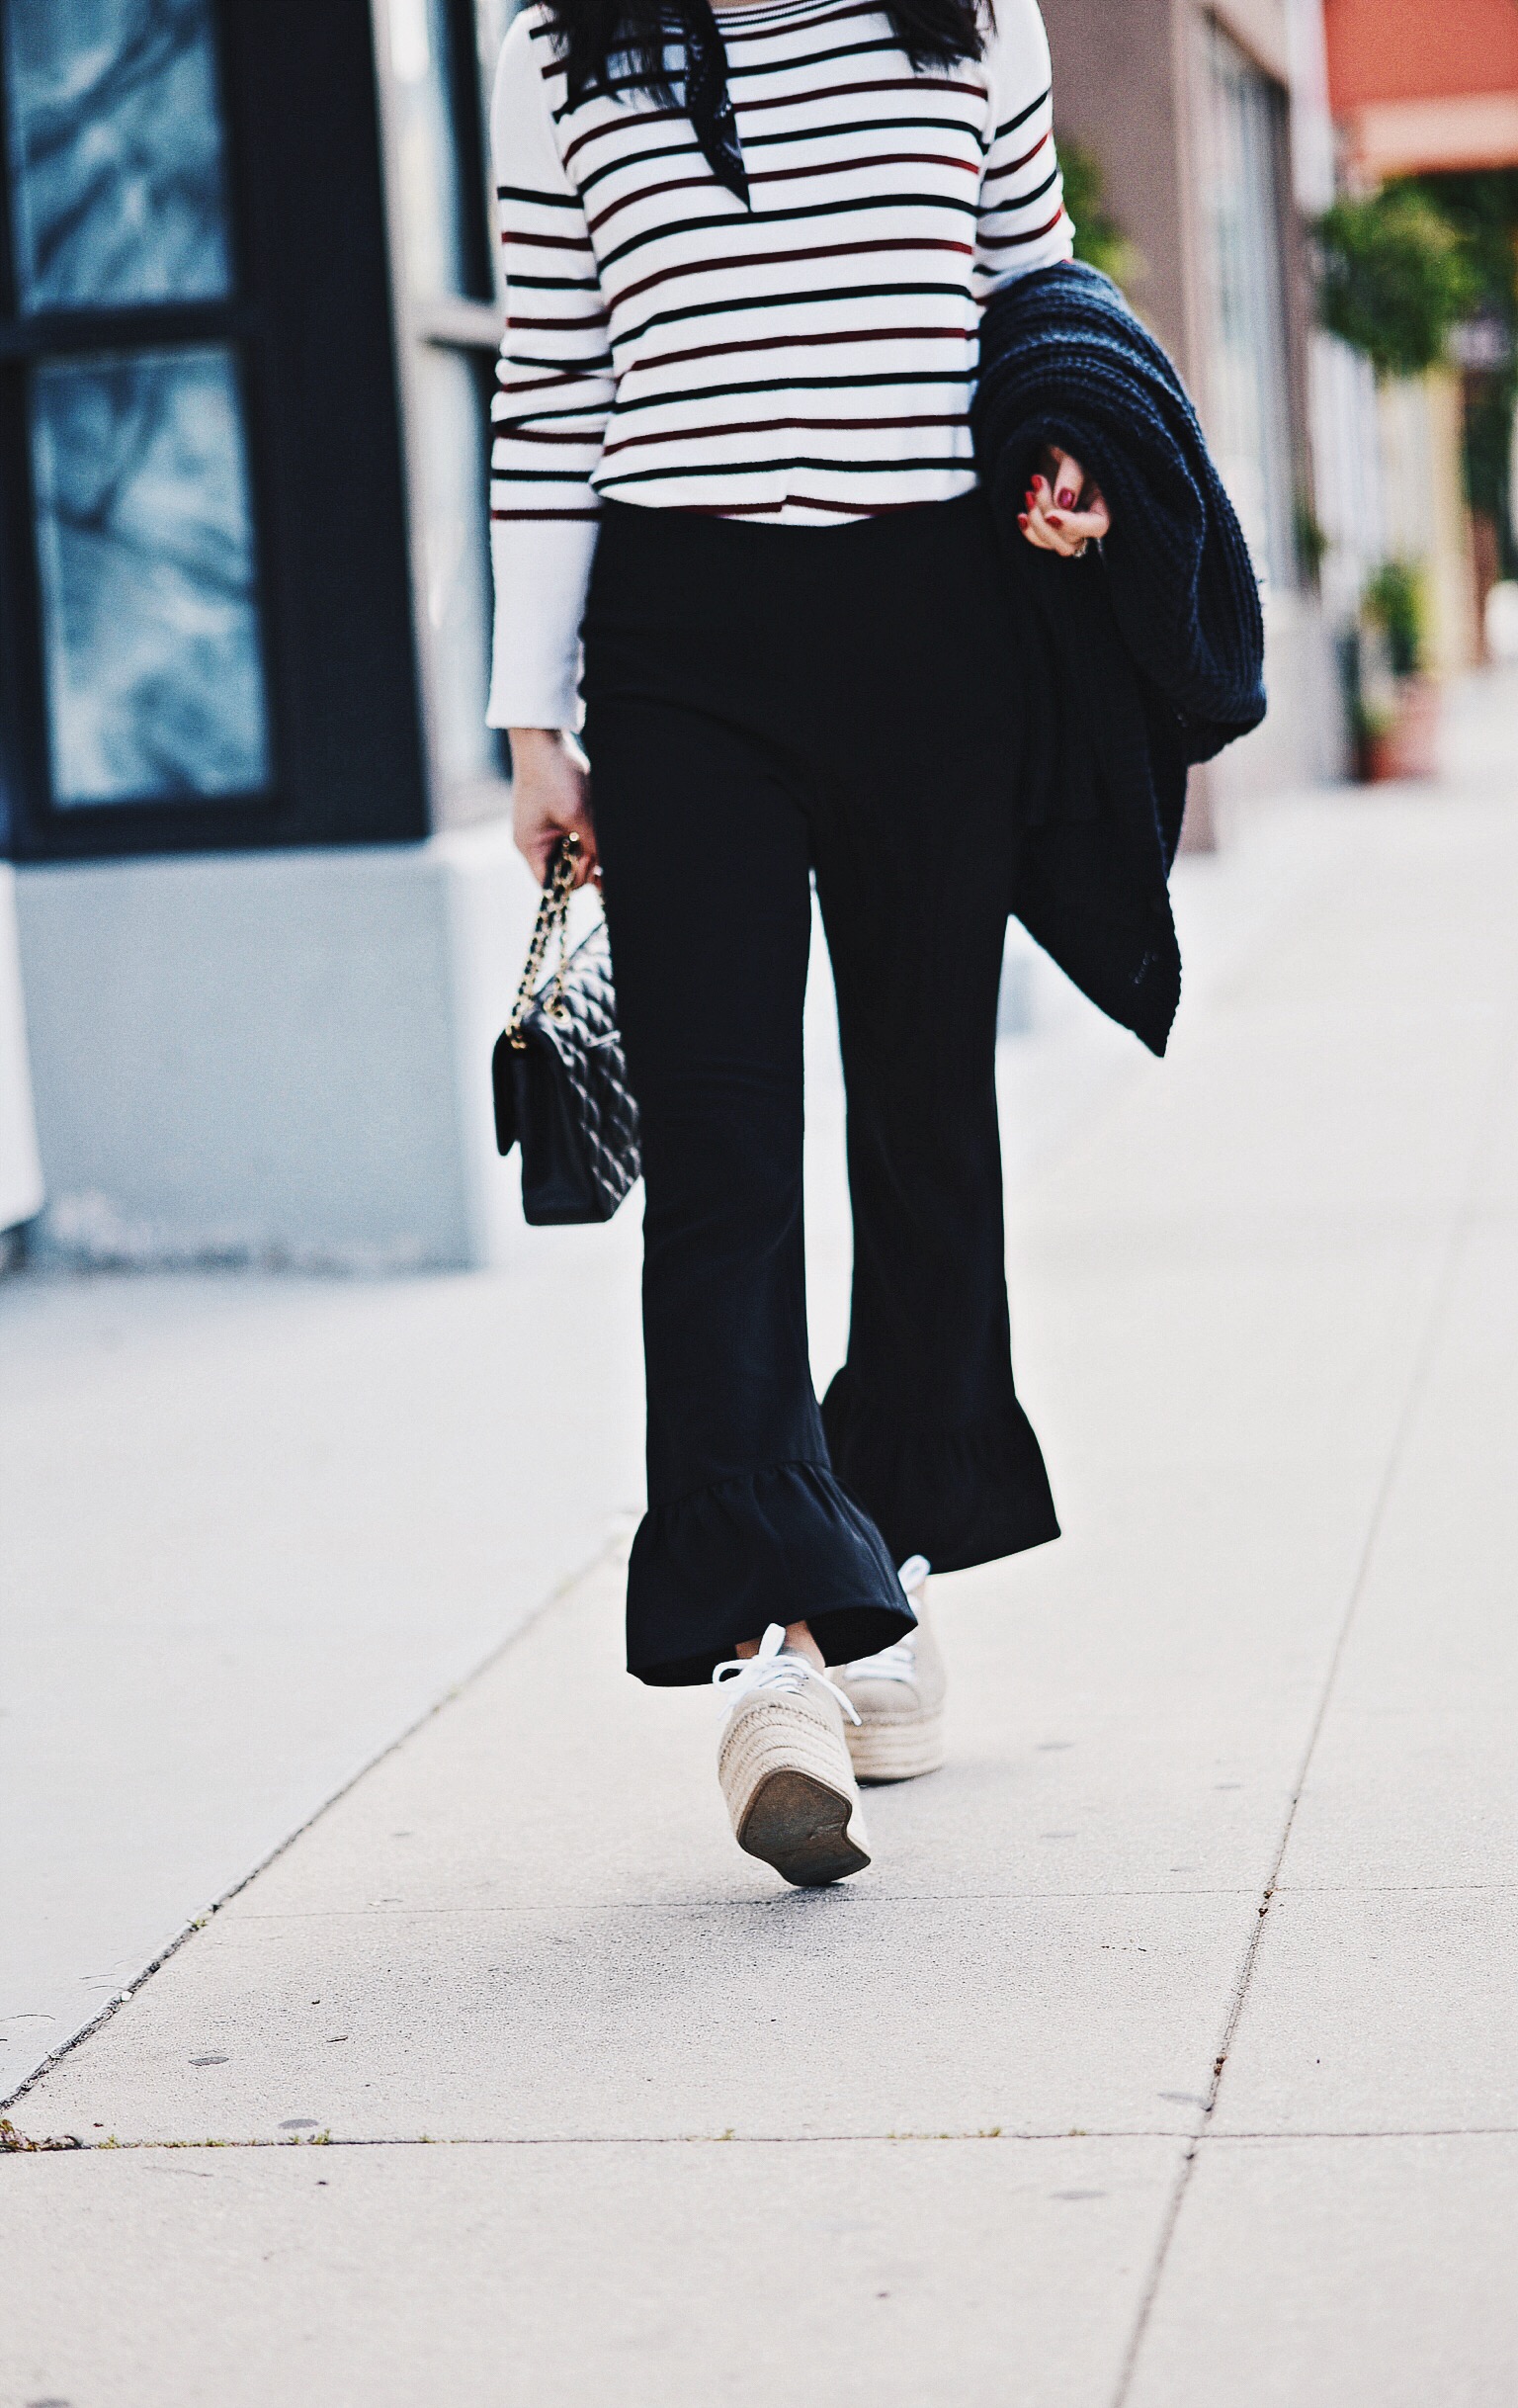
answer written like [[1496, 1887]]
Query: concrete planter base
[[21, 1173], [275, 1058], [1410, 748]]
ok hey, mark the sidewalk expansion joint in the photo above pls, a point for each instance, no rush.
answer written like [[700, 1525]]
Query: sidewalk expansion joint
[[110, 2146], [1457, 1230], [778, 1902], [610, 1545], [1190, 2142]]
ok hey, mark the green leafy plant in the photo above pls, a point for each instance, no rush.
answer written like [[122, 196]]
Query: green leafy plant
[[1395, 277], [1099, 239], [1481, 203], [1368, 696], [1393, 602], [1312, 539]]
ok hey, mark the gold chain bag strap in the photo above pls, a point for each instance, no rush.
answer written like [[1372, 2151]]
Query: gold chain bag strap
[[558, 1073]]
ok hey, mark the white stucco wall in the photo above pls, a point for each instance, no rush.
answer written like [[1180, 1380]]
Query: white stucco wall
[[21, 1172], [274, 1056]]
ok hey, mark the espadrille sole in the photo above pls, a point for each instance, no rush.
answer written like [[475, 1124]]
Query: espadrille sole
[[801, 1826], [896, 1750]]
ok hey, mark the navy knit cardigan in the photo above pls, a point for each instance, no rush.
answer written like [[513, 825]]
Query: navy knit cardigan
[[1150, 650]]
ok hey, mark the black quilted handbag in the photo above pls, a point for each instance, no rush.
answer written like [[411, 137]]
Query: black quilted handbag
[[558, 1073]]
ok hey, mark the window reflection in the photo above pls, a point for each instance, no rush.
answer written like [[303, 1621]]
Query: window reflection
[[454, 484], [1249, 395], [115, 152], [145, 553], [426, 153], [492, 19]]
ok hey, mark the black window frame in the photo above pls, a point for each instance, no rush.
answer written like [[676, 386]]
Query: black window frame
[[311, 329], [468, 323], [469, 104]]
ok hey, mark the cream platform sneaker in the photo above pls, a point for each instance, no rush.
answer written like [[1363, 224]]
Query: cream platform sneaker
[[898, 1696], [785, 1768]]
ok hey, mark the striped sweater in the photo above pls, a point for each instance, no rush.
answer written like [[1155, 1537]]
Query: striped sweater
[[804, 362]]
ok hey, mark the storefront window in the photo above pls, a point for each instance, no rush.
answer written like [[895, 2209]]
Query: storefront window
[[247, 304], [443, 58], [145, 549], [491, 21], [150, 643], [457, 569], [1242, 136], [426, 152], [116, 153]]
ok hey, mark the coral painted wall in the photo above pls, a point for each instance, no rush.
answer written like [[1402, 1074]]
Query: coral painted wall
[[1419, 50]]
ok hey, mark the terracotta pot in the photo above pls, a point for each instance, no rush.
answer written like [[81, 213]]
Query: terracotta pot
[[1410, 748]]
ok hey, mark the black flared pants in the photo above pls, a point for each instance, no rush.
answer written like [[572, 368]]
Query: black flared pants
[[765, 705]]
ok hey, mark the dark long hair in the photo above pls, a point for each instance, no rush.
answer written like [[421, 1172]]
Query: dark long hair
[[621, 46]]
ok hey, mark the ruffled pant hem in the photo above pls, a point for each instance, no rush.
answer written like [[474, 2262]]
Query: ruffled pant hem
[[959, 1497], [786, 1545]]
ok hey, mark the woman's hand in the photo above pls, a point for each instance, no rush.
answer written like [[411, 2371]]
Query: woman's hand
[[1062, 511], [550, 799]]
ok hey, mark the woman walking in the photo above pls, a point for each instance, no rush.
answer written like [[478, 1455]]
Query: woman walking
[[746, 257]]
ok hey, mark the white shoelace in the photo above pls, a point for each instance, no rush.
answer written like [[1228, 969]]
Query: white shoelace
[[899, 1662], [895, 1662], [740, 1675]]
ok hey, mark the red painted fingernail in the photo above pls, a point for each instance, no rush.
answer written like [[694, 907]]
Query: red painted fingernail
[[1066, 501], [1038, 480], [1055, 519], [1022, 520]]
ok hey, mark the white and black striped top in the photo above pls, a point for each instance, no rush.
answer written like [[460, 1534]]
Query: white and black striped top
[[805, 362]]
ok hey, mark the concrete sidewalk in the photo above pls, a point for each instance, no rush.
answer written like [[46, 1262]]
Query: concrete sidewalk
[[1165, 2057]]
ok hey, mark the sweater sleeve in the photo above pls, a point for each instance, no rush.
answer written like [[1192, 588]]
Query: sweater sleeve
[[555, 389], [1022, 223]]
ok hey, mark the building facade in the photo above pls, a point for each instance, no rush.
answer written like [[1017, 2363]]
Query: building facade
[[1427, 90], [264, 907], [1209, 126], [1420, 89]]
